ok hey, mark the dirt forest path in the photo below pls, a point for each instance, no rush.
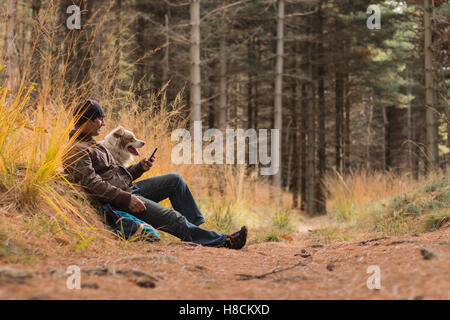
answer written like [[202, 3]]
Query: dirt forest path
[[410, 268]]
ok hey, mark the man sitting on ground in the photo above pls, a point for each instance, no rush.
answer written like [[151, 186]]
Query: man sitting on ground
[[94, 168]]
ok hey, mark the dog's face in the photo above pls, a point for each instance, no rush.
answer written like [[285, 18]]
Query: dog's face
[[125, 140]]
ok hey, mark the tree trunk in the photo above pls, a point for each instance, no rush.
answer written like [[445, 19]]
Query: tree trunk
[[311, 132], [97, 65], [339, 79], [251, 58], [431, 121], [140, 71], [347, 132], [411, 136], [222, 82], [294, 179], [255, 85], [320, 194], [84, 56], [195, 96], [369, 116], [165, 75], [278, 120], [386, 161], [36, 61], [210, 85], [304, 109], [11, 54], [117, 49], [287, 172]]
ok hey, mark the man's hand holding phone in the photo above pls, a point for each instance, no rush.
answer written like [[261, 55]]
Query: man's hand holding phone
[[147, 163]]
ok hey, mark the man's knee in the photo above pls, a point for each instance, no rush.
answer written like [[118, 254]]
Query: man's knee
[[178, 178]]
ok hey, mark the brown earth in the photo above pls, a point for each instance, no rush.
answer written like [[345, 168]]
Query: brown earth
[[410, 267]]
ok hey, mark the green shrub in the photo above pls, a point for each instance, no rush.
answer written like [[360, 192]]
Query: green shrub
[[399, 202], [435, 221], [412, 208], [432, 204], [273, 236], [444, 198]]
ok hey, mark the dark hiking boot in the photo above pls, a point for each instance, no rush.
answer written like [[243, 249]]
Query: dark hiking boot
[[237, 240]]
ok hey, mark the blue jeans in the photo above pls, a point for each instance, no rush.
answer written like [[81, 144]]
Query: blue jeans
[[183, 220]]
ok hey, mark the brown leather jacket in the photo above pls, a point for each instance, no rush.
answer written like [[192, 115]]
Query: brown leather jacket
[[94, 168]]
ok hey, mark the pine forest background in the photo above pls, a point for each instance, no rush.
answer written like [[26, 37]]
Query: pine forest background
[[346, 98]]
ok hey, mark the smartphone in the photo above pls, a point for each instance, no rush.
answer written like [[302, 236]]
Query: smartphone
[[153, 153]]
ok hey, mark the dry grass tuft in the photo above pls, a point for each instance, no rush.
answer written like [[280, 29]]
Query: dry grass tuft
[[368, 204]]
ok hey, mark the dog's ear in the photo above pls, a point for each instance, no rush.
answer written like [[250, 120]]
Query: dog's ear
[[119, 132]]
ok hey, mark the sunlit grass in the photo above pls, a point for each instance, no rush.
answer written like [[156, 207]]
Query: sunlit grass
[[353, 196], [32, 147], [387, 204], [233, 196]]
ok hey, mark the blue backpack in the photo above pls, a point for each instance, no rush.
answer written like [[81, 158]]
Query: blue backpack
[[127, 225]]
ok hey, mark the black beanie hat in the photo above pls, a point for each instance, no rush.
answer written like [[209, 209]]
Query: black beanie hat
[[88, 110]]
